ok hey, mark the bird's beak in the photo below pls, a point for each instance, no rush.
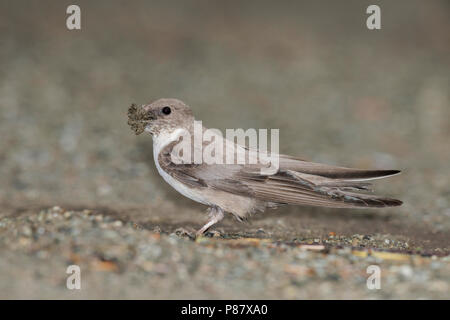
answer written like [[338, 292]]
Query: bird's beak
[[149, 114], [140, 117]]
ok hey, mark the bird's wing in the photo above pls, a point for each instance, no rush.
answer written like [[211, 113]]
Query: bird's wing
[[295, 182], [332, 172]]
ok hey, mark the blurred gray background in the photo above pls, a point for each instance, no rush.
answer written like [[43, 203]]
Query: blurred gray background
[[340, 94]]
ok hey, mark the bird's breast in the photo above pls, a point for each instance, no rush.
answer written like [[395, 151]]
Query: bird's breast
[[159, 142]]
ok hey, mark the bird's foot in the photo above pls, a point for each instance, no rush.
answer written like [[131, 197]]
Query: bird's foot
[[182, 232], [213, 234], [215, 215]]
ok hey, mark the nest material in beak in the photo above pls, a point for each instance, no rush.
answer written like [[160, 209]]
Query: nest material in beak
[[138, 118]]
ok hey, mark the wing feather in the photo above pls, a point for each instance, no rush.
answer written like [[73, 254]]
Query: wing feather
[[296, 182]]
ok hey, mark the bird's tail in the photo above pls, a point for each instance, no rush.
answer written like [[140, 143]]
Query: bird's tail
[[344, 187]]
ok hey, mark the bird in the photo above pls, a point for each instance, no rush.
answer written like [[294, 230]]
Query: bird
[[242, 189]]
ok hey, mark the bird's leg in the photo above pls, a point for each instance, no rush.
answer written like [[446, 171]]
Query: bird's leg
[[215, 215]]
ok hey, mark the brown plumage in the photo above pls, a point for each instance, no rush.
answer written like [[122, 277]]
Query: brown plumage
[[242, 189], [296, 182]]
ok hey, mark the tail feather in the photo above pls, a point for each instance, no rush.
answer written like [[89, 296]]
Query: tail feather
[[363, 200], [341, 192]]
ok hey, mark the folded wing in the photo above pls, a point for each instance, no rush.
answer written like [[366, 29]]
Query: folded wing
[[296, 182]]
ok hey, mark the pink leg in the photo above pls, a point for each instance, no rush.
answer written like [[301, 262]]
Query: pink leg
[[215, 215]]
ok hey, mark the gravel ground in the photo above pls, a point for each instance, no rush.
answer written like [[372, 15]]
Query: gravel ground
[[121, 259], [78, 187]]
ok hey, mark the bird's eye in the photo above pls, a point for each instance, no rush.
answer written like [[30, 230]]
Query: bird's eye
[[166, 110]]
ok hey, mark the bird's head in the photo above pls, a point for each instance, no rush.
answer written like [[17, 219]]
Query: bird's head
[[160, 115]]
